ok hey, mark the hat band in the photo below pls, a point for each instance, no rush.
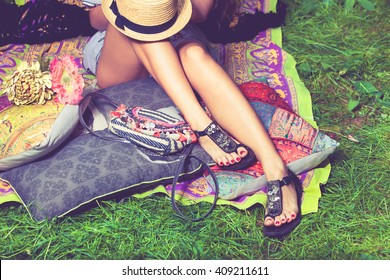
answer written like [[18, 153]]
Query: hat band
[[122, 22]]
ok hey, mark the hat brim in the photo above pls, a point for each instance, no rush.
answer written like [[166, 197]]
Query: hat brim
[[184, 16]]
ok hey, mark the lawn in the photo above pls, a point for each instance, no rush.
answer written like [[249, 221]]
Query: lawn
[[342, 55]]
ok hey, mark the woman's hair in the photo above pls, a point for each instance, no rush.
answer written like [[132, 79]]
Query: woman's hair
[[226, 10], [226, 23]]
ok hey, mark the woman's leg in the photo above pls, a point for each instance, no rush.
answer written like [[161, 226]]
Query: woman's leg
[[97, 18], [123, 59], [162, 62], [117, 62], [233, 112]]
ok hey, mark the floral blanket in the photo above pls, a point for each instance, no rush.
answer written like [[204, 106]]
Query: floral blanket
[[261, 58]]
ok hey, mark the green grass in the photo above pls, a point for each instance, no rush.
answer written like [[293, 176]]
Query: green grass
[[333, 48]]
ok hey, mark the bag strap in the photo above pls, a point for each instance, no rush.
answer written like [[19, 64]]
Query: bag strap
[[85, 102], [186, 155]]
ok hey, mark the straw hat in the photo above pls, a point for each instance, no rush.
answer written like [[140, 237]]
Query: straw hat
[[148, 20]]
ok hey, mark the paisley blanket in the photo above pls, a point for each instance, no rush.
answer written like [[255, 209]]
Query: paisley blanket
[[261, 59]]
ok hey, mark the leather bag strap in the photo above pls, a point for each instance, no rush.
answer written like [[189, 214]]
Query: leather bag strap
[[187, 155], [85, 102]]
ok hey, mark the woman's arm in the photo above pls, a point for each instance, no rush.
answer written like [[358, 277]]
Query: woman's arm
[[201, 9]]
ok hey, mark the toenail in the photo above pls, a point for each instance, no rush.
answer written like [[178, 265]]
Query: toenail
[[238, 159], [227, 163], [221, 163], [293, 216], [277, 222], [232, 161], [283, 220], [242, 152]]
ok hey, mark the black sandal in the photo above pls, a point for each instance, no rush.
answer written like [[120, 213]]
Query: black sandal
[[275, 206], [228, 145]]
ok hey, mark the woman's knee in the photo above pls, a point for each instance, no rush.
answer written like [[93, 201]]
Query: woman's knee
[[103, 80], [106, 78], [192, 52], [118, 63]]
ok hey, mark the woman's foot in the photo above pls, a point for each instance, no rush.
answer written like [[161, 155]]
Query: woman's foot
[[283, 206], [218, 155], [225, 151], [289, 208]]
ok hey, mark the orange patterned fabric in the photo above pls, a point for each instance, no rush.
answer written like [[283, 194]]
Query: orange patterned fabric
[[255, 91], [25, 127]]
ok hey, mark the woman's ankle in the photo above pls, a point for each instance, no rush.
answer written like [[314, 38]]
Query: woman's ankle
[[277, 170], [198, 122]]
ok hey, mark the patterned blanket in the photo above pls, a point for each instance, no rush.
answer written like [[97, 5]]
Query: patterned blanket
[[261, 58]]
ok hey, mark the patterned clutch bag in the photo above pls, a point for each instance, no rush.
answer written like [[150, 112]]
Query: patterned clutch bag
[[153, 130]]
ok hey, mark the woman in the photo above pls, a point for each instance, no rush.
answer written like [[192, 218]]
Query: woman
[[142, 40]]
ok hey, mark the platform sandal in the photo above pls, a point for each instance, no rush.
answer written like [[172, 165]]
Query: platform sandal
[[275, 205], [228, 145]]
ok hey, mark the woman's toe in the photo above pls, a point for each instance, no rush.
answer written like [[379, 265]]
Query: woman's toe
[[220, 160], [268, 221], [292, 215], [242, 152], [230, 159], [235, 157], [283, 218], [278, 221]]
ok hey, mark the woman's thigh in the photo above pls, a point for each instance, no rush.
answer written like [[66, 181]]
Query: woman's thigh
[[118, 62]]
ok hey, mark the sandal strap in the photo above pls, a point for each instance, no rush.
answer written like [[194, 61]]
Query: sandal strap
[[274, 194], [220, 137]]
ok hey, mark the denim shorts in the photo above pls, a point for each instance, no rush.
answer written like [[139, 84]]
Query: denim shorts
[[92, 50], [190, 33]]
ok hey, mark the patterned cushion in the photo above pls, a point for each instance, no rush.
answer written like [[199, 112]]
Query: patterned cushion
[[31, 131], [301, 146], [87, 168]]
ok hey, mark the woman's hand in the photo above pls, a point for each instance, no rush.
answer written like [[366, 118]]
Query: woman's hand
[[201, 9]]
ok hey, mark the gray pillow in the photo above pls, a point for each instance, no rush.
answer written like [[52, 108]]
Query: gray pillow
[[87, 168]]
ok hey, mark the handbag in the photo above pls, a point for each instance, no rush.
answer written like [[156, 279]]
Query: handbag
[[156, 131], [153, 130]]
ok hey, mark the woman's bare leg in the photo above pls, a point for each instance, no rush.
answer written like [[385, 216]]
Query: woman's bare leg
[[234, 113], [117, 62], [123, 59], [97, 18], [162, 62]]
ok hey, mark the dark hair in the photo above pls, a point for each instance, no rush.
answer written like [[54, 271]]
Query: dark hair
[[226, 10], [226, 23]]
